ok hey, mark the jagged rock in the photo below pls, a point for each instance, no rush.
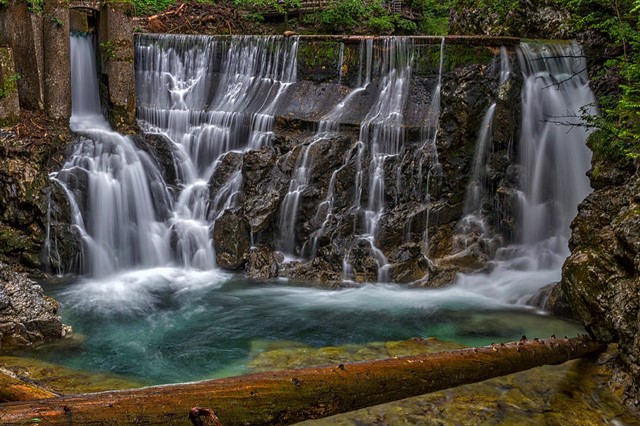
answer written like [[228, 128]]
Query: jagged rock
[[231, 239], [27, 316], [533, 19], [262, 210], [409, 264], [263, 263], [159, 147], [317, 271], [255, 170], [229, 164], [601, 278], [552, 299]]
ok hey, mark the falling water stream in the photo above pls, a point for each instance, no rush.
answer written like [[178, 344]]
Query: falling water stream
[[151, 302]]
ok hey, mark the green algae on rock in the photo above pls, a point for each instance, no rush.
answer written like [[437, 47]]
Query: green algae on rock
[[63, 380]]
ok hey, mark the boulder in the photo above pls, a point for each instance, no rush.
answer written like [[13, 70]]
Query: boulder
[[263, 263], [27, 316], [231, 239]]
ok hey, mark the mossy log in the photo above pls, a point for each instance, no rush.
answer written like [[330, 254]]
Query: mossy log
[[290, 396]]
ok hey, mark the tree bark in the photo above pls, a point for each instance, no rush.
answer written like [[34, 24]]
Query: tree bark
[[290, 396]]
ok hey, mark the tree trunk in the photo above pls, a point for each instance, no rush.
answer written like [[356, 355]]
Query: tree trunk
[[290, 396]]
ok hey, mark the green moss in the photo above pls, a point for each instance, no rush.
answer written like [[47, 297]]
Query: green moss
[[459, 55], [65, 380], [318, 60]]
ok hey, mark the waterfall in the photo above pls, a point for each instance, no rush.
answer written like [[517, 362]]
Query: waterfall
[[213, 99], [328, 126], [429, 135], [554, 160], [210, 96], [381, 137], [116, 193], [473, 222], [85, 97]]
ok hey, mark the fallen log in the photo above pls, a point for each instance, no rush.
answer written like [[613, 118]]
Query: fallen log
[[290, 396]]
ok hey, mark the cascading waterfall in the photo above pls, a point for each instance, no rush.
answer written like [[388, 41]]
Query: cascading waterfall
[[473, 222], [381, 136], [327, 126], [208, 109], [430, 133], [554, 160], [115, 191]]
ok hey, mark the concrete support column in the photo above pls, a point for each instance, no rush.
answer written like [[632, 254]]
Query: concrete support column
[[9, 105], [117, 53], [21, 30], [57, 59]]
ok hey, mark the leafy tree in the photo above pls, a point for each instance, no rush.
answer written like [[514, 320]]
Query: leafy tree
[[618, 125]]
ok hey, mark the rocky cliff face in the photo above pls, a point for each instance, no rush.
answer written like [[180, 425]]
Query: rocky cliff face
[[527, 18], [602, 276], [27, 151]]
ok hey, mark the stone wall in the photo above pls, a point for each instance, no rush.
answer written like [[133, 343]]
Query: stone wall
[[42, 58]]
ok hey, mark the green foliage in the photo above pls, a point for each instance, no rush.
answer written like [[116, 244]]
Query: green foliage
[[108, 49], [9, 85], [618, 124], [435, 15], [356, 16], [56, 21], [255, 6], [344, 15], [149, 7], [499, 8], [35, 6]]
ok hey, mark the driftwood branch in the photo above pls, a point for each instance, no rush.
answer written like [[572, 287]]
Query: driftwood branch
[[290, 396]]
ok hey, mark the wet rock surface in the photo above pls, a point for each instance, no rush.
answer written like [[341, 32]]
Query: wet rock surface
[[231, 239], [601, 278], [424, 191], [533, 19], [28, 150], [27, 316]]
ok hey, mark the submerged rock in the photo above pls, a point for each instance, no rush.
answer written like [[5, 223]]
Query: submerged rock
[[47, 377], [27, 316]]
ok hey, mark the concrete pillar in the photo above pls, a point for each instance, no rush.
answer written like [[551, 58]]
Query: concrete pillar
[[9, 105], [116, 49], [21, 30], [57, 59]]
